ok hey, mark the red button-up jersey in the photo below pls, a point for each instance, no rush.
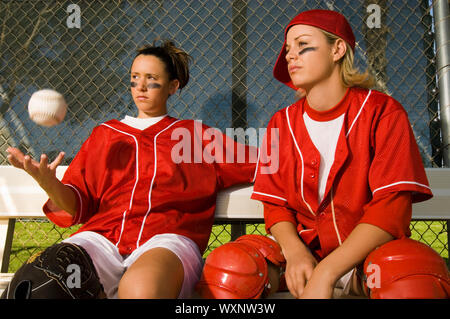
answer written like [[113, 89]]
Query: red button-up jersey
[[133, 184], [376, 155]]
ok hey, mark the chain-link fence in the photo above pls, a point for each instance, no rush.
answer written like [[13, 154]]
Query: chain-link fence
[[83, 49]]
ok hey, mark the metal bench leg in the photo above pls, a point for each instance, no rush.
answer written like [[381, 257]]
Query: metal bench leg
[[6, 238], [237, 230]]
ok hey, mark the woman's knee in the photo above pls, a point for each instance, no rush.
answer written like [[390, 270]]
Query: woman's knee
[[158, 273]]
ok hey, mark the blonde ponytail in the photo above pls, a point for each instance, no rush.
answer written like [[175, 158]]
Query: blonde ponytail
[[350, 75]]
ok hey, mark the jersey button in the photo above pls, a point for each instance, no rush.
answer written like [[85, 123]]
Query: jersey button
[[313, 162], [312, 175]]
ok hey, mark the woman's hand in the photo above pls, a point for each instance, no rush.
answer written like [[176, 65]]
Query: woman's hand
[[300, 265], [320, 285], [362, 240], [61, 196], [43, 172]]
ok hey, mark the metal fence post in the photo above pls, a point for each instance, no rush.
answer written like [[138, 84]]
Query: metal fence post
[[431, 86], [442, 27], [239, 80]]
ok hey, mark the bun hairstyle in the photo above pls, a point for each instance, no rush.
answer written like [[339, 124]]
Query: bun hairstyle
[[175, 59]]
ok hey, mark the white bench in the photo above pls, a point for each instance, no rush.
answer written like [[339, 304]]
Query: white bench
[[21, 197]]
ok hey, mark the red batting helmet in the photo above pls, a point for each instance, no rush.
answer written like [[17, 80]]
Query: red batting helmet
[[266, 246], [238, 270], [407, 269]]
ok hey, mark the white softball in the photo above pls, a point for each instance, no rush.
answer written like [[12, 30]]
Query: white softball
[[47, 107]]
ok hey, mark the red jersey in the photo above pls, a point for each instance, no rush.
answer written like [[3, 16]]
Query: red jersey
[[376, 156], [132, 184]]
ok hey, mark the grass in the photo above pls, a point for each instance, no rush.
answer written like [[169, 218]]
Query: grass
[[32, 236], [434, 234]]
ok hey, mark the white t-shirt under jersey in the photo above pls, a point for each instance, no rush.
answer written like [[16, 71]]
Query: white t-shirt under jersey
[[141, 124], [324, 135]]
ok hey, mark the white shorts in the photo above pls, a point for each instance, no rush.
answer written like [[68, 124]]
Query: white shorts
[[111, 266]]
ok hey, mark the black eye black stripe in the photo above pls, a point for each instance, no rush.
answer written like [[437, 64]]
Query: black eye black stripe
[[149, 86]]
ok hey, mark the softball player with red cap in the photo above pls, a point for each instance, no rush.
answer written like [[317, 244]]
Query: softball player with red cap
[[349, 172]]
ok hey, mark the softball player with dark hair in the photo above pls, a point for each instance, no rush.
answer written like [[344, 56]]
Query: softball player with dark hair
[[146, 217]]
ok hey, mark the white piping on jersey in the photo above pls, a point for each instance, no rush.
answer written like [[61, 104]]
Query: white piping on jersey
[[301, 157], [137, 177], [81, 204], [359, 112], [268, 195], [331, 190], [122, 226], [151, 184], [304, 230], [334, 217], [256, 168], [401, 182]]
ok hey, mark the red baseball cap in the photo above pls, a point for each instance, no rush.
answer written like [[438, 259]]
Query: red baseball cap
[[330, 21]]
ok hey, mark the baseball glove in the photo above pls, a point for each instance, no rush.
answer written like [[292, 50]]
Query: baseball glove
[[62, 271]]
